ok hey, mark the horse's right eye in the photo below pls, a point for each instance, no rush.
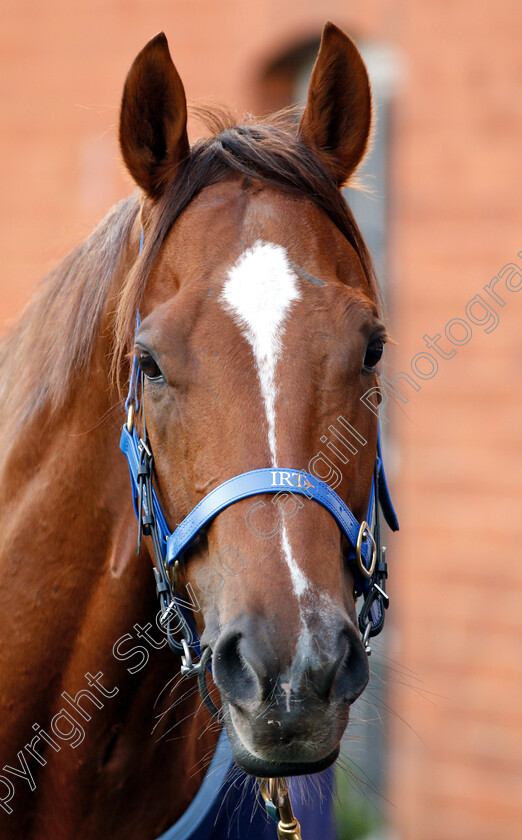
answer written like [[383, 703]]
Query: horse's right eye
[[373, 355], [148, 365]]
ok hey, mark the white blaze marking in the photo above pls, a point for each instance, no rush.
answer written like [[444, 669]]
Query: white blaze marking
[[298, 578], [259, 292], [287, 688]]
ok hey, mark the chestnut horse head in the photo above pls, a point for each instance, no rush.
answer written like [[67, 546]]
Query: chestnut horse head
[[259, 332]]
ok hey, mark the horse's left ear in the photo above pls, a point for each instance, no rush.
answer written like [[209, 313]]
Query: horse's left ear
[[337, 118], [153, 118]]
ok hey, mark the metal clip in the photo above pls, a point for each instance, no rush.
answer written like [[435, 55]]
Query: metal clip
[[277, 797], [173, 572], [366, 625], [142, 446], [167, 613], [366, 638], [187, 666]]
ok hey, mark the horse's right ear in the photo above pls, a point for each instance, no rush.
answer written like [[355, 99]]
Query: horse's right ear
[[153, 118], [337, 118]]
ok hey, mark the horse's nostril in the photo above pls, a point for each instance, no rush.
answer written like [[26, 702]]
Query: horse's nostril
[[321, 673], [232, 675], [354, 672]]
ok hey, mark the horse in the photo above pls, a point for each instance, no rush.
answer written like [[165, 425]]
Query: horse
[[235, 294]]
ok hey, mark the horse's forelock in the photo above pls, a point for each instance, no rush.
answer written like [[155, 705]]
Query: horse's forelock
[[268, 151]]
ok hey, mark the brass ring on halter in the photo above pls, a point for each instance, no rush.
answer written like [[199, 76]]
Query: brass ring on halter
[[130, 417], [172, 572], [364, 530]]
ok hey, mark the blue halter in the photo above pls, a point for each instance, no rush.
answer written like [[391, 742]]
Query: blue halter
[[253, 483], [365, 555]]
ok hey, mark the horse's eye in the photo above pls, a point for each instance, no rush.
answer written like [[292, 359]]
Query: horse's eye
[[373, 354], [148, 365]]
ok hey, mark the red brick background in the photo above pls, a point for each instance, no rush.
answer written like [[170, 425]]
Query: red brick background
[[455, 735]]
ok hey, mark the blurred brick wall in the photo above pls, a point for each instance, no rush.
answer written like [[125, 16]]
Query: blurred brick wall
[[455, 728], [457, 773]]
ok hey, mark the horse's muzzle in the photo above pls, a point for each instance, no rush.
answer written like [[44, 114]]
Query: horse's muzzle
[[291, 715]]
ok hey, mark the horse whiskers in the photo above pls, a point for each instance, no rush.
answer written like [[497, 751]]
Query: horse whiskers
[[395, 680], [175, 738], [394, 672], [244, 791], [377, 720], [189, 693], [177, 723], [306, 786], [366, 710], [162, 717], [361, 785], [390, 710], [245, 782], [350, 766], [202, 762], [205, 761], [233, 778], [179, 677], [354, 737], [381, 654], [212, 725]]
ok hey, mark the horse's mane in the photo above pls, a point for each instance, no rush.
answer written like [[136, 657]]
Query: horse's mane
[[52, 343]]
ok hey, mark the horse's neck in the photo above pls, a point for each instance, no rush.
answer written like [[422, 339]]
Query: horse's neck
[[77, 612]]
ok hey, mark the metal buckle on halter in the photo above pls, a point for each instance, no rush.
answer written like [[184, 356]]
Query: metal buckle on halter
[[366, 625], [366, 638], [376, 592], [365, 533], [188, 666], [143, 448], [168, 612], [199, 670]]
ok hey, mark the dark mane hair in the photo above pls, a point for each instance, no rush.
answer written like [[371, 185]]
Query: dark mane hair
[[53, 341]]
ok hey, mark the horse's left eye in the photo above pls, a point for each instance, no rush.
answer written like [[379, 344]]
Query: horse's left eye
[[373, 354], [148, 365]]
